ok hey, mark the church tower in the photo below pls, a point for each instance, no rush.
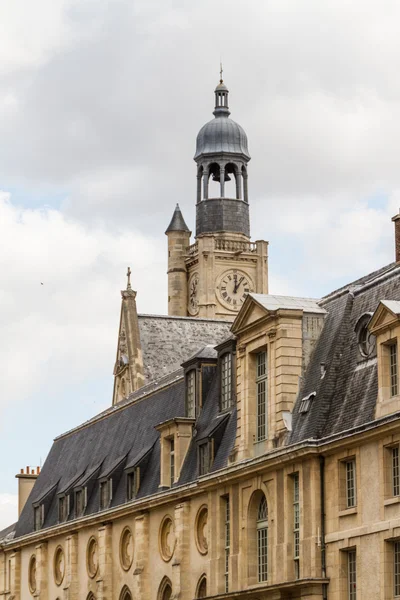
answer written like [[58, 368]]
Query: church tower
[[211, 277]]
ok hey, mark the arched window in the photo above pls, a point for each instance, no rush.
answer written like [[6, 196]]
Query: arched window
[[262, 540], [165, 589], [201, 591], [125, 594]]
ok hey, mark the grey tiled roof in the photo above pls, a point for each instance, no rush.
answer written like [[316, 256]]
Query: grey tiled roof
[[221, 134], [271, 302], [168, 341], [346, 394], [177, 222]]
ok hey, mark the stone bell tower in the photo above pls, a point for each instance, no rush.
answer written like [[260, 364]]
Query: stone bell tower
[[223, 265]]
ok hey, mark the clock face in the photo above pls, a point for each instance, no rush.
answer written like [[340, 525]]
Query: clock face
[[233, 287], [193, 301]]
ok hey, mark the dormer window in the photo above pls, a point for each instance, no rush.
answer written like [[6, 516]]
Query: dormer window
[[80, 502], [132, 483], [205, 458], [63, 508], [226, 381], [105, 493], [38, 516], [172, 461], [191, 394]]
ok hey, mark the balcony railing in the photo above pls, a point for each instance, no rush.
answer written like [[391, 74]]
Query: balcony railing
[[238, 246], [193, 249]]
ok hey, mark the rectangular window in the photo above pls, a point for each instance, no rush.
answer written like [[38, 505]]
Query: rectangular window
[[105, 493], [393, 369], [351, 497], [396, 569], [191, 394], [262, 396], [352, 574], [227, 540], [204, 458], [296, 524], [79, 503], [226, 381], [63, 508], [132, 483], [38, 514], [395, 471], [172, 461]]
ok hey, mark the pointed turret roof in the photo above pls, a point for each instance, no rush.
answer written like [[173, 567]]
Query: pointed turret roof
[[177, 221]]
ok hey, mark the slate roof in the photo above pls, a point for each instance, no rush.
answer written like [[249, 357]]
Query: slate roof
[[221, 134], [168, 341], [119, 438], [346, 394], [177, 222], [270, 302], [8, 532]]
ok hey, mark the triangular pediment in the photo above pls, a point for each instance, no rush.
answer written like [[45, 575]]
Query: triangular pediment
[[250, 313], [385, 316]]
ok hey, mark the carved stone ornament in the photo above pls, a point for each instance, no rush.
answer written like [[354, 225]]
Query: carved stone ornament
[[32, 574], [201, 531], [166, 539], [59, 565], [92, 559], [126, 549]]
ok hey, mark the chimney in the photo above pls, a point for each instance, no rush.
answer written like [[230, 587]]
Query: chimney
[[26, 481], [396, 220]]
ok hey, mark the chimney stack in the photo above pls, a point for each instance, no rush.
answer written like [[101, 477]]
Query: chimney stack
[[396, 220], [26, 480]]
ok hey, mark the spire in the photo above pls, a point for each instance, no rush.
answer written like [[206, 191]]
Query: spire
[[221, 97], [177, 222]]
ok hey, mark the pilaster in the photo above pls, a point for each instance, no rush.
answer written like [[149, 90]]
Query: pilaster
[[71, 587], [141, 588], [41, 552], [181, 564], [104, 579]]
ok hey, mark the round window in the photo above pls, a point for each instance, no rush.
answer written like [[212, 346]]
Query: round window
[[366, 341], [126, 549], [59, 565], [32, 574], [167, 538], [92, 560], [201, 531]]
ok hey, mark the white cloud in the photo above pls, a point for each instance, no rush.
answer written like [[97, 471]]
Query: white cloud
[[8, 510]]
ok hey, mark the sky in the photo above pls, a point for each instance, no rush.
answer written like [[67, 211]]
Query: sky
[[100, 105]]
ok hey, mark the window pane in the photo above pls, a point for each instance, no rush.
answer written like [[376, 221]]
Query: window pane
[[191, 394], [226, 381], [227, 541], [262, 540], [352, 575], [350, 483], [393, 369], [396, 570], [261, 389], [172, 462], [395, 471]]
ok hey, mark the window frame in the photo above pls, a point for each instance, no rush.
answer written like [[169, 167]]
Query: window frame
[[80, 501], [205, 462], [352, 574], [393, 368], [261, 380], [262, 541], [63, 507], [132, 483], [191, 390], [38, 516], [226, 375], [172, 461], [350, 482], [227, 539], [296, 523], [105, 484]]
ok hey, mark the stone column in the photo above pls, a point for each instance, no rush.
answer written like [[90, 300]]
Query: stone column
[[180, 564], [205, 185], [222, 180], [70, 586], [245, 187], [141, 588], [104, 579], [198, 188], [238, 179], [15, 583]]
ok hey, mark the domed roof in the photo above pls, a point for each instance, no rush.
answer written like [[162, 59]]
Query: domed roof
[[221, 134]]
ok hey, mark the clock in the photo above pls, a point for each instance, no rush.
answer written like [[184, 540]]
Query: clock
[[233, 287], [193, 300]]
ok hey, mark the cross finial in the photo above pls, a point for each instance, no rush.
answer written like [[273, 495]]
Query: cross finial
[[128, 274], [220, 72]]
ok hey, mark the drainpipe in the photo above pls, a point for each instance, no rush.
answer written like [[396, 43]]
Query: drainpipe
[[323, 551]]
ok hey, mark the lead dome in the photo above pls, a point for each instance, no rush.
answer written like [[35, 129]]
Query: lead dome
[[221, 134]]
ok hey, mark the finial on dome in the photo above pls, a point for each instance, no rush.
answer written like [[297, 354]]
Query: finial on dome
[[221, 97], [220, 73]]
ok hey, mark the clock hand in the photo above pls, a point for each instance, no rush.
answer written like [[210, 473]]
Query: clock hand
[[237, 284]]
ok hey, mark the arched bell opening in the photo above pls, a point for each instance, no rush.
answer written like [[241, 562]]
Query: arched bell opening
[[232, 182], [213, 182]]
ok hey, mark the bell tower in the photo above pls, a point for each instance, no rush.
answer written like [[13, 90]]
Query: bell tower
[[223, 265]]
